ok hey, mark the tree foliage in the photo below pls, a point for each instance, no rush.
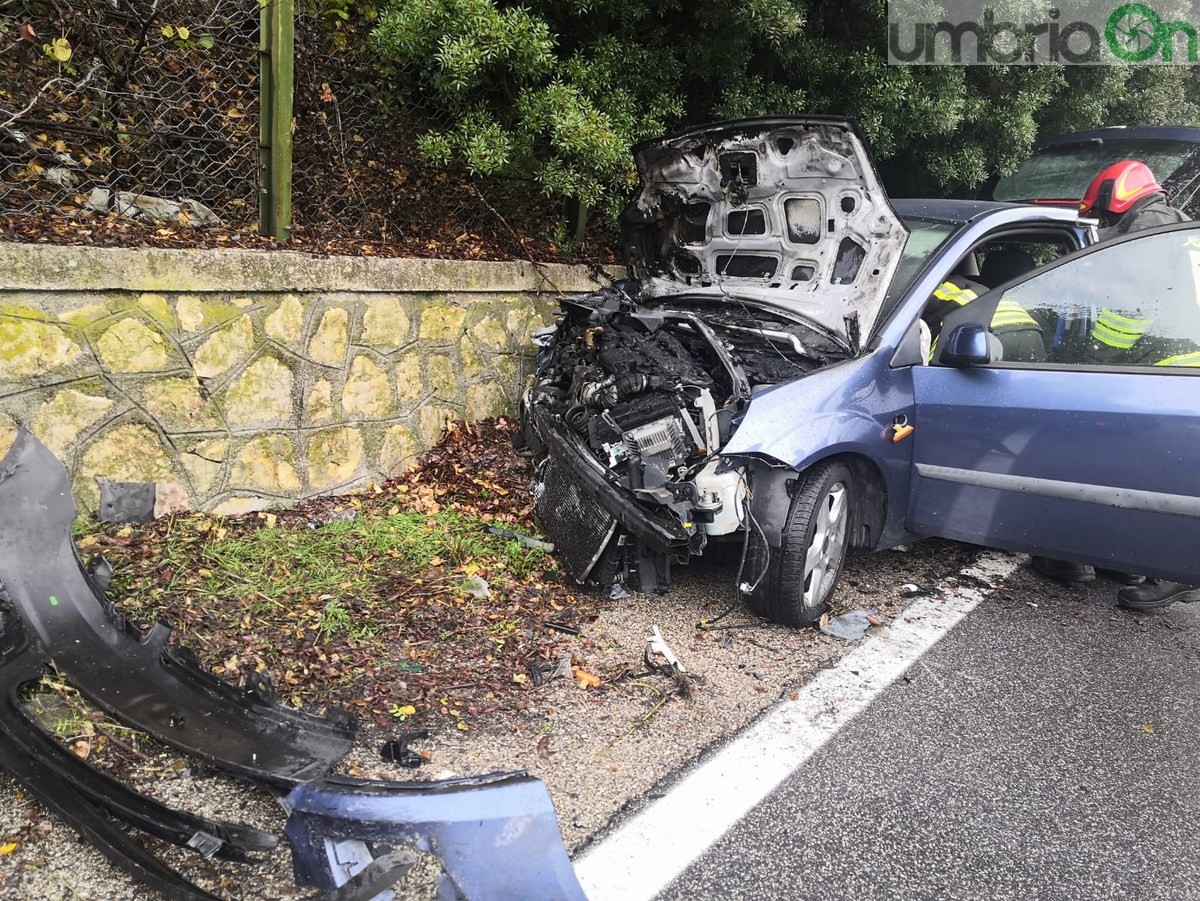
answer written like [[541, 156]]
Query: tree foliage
[[557, 90]]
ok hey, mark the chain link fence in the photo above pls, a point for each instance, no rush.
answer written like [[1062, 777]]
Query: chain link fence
[[121, 110], [139, 108], [356, 169]]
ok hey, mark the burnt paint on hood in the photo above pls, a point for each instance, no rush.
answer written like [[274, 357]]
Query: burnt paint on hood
[[787, 212]]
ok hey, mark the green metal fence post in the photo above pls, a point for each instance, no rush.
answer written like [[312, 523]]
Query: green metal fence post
[[276, 48]]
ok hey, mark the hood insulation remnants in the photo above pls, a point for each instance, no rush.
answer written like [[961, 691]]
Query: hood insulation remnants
[[788, 211]]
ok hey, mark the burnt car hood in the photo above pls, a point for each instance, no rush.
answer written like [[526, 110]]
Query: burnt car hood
[[786, 212]]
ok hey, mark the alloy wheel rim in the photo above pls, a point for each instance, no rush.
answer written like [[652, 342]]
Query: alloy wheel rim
[[825, 550]]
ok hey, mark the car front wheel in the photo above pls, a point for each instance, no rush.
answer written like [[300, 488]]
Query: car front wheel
[[801, 574]]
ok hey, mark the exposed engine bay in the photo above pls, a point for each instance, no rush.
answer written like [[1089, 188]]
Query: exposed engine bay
[[651, 392], [757, 251]]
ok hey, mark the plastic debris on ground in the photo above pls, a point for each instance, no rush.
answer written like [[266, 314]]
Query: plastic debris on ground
[[477, 587], [563, 669], [585, 679], [523, 540], [496, 836], [656, 646], [126, 501], [545, 672], [398, 752]]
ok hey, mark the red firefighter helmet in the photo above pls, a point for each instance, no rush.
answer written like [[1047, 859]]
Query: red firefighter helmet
[[1118, 188]]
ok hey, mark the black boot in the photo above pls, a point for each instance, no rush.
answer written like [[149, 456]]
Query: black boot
[[1064, 570], [1156, 594]]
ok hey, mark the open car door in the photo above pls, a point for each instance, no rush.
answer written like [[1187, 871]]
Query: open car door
[[1092, 454]]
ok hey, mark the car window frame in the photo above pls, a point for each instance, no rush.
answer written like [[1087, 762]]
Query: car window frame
[[981, 310], [906, 353]]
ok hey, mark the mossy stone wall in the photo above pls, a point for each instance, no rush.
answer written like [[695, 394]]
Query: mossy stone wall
[[236, 380]]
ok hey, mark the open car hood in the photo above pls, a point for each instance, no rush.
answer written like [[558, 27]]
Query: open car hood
[[784, 211]]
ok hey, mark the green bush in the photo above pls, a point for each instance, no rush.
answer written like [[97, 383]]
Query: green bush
[[557, 90]]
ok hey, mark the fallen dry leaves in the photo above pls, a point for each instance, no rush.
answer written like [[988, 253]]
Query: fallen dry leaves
[[435, 652]]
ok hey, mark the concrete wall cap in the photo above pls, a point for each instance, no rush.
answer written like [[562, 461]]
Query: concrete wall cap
[[58, 268]]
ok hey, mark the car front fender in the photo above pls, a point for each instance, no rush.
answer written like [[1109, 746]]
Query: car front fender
[[850, 409]]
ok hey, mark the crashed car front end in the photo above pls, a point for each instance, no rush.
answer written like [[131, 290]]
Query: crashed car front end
[[758, 252], [633, 407]]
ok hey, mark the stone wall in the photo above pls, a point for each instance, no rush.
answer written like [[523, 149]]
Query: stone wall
[[237, 380]]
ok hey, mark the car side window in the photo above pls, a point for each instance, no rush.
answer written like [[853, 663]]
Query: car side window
[[990, 265], [1130, 303]]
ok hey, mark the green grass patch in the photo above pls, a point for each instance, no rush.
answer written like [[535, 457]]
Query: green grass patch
[[348, 557], [341, 568]]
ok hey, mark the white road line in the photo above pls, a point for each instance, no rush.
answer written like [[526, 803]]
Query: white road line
[[640, 857]]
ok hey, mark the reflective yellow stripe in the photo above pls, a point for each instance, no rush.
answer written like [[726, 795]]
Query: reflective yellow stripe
[[1125, 323], [1119, 331], [1192, 359], [1009, 312], [951, 292], [1115, 339]]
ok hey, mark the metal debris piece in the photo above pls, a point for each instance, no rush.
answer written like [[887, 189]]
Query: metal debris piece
[[851, 626], [657, 645], [126, 501]]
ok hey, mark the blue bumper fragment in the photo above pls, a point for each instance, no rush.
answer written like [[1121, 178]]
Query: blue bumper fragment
[[497, 835]]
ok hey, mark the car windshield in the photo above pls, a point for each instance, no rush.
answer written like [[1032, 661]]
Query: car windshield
[[1064, 172], [925, 236]]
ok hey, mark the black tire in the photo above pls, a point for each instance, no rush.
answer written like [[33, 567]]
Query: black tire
[[787, 592]]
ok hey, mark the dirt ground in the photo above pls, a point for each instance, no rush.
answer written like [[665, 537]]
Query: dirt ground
[[596, 749]]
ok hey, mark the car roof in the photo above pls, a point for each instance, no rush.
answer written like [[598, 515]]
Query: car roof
[[1124, 133], [963, 211]]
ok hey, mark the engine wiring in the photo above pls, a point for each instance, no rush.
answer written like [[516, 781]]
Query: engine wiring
[[719, 278], [710, 625]]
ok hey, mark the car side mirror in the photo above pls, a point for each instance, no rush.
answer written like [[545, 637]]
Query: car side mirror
[[967, 345]]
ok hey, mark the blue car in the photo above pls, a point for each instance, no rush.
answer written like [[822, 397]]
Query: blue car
[[768, 378]]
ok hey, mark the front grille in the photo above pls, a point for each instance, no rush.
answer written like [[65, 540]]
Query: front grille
[[579, 527]]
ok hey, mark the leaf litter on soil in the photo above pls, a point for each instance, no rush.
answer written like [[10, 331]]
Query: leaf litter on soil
[[395, 602]]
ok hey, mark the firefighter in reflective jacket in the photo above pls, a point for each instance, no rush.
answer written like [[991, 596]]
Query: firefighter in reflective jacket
[[1019, 333], [1126, 198], [1116, 339]]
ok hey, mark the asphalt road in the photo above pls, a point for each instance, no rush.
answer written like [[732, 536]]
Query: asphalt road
[[1047, 748]]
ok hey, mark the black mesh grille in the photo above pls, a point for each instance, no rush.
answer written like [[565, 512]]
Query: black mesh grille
[[579, 527]]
